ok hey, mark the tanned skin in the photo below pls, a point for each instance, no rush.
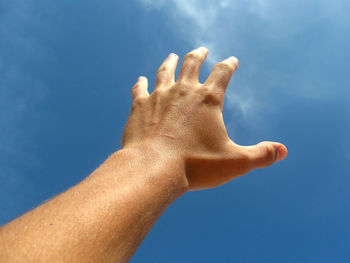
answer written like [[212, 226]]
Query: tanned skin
[[174, 141]]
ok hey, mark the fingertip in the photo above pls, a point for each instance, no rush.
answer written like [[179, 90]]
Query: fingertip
[[234, 61], [173, 55], [204, 49], [142, 78], [281, 152]]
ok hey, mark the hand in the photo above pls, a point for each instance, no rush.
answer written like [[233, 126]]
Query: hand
[[184, 120]]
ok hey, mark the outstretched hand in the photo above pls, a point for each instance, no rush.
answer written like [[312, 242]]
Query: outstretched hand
[[183, 120]]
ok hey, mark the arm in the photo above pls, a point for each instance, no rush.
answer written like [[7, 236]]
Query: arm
[[174, 141], [102, 219]]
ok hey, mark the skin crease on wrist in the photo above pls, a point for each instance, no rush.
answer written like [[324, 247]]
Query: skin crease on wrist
[[175, 140]]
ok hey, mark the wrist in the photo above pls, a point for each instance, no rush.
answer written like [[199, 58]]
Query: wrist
[[157, 167]]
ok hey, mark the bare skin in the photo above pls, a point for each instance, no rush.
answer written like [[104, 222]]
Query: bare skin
[[175, 140]]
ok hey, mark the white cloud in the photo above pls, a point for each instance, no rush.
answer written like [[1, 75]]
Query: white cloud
[[196, 21], [278, 44], [211, 24]]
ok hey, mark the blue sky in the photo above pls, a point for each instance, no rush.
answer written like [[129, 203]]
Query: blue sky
[[66, 69]]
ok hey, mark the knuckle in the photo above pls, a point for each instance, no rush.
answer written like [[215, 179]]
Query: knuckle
[[268, 153], [162, 69], [194, 56], [134, 89], [224, 66], [210, 97], [180, 89], [138, 102], [158, 93], [184, 83]]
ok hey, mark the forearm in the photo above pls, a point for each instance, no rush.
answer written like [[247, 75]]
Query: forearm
[[102, 219]]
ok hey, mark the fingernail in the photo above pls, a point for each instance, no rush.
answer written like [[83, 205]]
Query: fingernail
[[279, 154], [142, 78]]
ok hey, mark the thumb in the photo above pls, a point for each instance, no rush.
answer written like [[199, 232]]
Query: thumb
[[265, 154]]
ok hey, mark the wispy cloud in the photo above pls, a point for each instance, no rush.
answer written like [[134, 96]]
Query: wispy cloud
[[201, 24], [278, 43]]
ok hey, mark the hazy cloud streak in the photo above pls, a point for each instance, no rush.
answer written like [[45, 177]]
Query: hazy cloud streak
[[260, 33]]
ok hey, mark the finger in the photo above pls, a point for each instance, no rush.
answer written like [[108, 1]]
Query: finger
[[192, 64], [265, 153], [166, 72], [222, 73], [140, 88]]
